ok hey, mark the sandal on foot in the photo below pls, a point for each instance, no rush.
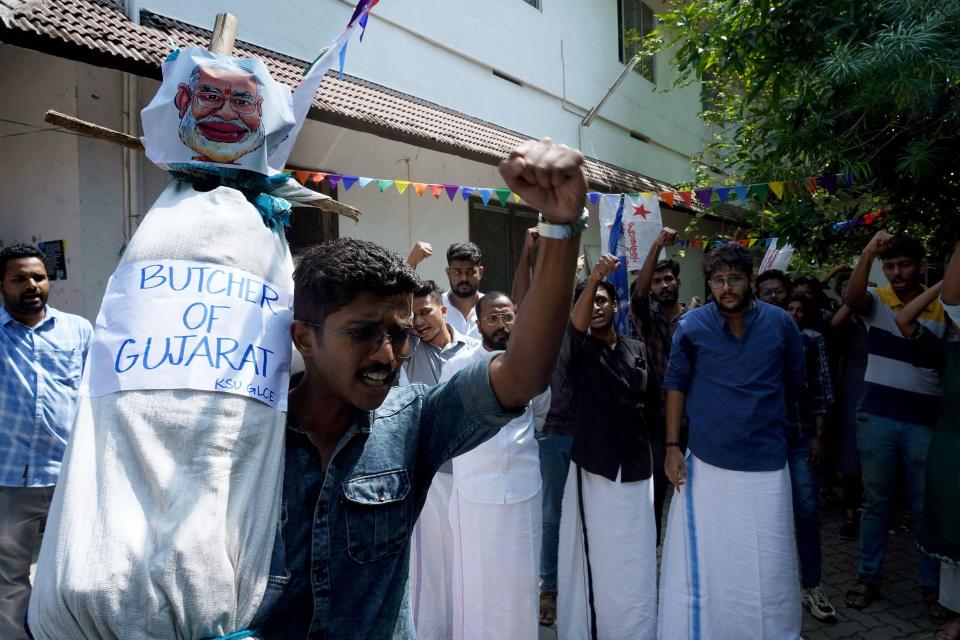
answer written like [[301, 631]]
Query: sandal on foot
[[548, 607], [931, 602], [861, 594]]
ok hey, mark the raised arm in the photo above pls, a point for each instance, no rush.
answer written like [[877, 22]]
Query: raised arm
[[582, 312], [826, 278], [420, 252], [951, 280], [549, 177], [907, 318], [857, 298], [667, 238], [523, 274]]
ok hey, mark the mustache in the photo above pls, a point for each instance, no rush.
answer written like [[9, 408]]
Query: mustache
[[211, 119]]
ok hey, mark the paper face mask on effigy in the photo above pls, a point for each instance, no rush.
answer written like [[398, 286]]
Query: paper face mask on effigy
[[226, 111]]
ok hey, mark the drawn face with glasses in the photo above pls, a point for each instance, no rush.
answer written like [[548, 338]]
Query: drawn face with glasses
[[355, 353], [730, 289], [495, 318], [220, 111]]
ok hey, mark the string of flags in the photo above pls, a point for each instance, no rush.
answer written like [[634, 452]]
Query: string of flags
[[706, 196], [711, 244], [866, 219]]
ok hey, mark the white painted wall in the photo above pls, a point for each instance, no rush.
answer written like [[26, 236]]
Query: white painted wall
[[443, 51]]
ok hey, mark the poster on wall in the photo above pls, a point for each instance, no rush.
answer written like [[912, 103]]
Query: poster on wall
[[55, 258]]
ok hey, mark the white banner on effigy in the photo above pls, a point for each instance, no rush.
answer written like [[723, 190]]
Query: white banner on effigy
[[641, 225], [776, 258], [178, 324]]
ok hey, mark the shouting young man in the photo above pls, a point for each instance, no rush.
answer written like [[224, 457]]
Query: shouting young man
[[360, 455]]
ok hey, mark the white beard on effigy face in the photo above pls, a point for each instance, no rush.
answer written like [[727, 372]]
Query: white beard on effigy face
[[222, 152]]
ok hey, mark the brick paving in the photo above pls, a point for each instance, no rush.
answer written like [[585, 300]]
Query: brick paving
[[897, 615]]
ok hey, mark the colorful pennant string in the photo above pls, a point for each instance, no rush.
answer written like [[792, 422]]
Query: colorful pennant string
[[705, 196]]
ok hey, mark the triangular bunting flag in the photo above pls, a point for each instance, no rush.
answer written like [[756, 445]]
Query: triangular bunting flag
[[829, 182], [812, 185], [302, 176], [436, 190], [612, 199], [744, 243], [466, 192], [365, 181], [333, 179], [318, 177], [667, 196], [401, 185], [419, 187], [722, 193], [516, 197], [451, 190], [687, 196], [593, 197], [503, 195], [777, 188], [752, 242], [383, 185], [741, 192], [704, 195], [349, 181], [760, 191], [485, 195]]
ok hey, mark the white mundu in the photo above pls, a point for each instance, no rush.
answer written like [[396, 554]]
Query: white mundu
[[495, 514], [431, 563], [729, 566], [621, 548]]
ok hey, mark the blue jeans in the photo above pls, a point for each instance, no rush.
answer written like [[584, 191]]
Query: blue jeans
[[554, 464], [805, 481], [884, 443]]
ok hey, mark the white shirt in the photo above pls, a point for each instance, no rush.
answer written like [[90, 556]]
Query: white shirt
[[506, 468], [467, 325]]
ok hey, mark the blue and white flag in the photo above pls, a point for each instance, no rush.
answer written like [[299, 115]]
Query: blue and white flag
[[619, 277]]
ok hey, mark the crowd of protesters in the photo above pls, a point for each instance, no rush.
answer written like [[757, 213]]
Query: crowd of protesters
[[472, 499]]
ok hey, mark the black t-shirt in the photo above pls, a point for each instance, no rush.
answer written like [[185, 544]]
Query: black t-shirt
[[614, 389]]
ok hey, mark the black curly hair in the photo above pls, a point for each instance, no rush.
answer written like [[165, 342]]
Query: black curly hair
[[332, 274], [17, 252], [731, 255]]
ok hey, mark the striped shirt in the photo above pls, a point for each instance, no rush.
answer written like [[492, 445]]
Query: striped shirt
[[901, 382], [40, 370]]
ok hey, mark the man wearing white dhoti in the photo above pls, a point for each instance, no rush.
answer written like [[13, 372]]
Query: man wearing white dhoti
[[607, 568], [729, 566], [495, 512], [431, 546]]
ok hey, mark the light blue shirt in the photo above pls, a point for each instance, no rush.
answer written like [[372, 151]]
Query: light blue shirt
[[40, 369]]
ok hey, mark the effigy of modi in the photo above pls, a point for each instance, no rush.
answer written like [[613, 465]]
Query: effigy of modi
[[162, 524]]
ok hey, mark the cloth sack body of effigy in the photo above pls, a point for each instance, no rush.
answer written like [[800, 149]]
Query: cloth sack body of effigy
[[163, 520]]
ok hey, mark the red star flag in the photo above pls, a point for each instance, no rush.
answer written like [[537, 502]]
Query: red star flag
[[641, 225]]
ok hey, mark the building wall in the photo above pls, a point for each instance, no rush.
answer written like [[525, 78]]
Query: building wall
[[61, 186], [565, 55]]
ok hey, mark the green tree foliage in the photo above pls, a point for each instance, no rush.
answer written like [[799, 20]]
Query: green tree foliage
[[795, 88]]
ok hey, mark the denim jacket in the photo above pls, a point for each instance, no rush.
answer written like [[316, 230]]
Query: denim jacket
[[341, 556]]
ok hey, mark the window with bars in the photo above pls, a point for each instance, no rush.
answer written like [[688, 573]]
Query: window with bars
[[636, 21]]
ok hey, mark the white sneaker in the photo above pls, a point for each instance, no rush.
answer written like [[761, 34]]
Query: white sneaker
[[819, 605]]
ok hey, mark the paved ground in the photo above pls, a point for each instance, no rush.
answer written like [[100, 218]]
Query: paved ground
[[898, 614]]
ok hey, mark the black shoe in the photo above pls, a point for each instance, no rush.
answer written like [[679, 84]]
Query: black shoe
[[850, 530]]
